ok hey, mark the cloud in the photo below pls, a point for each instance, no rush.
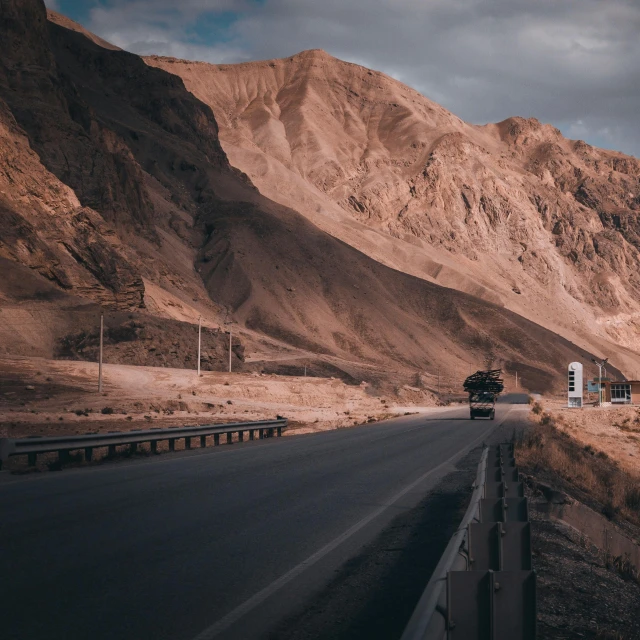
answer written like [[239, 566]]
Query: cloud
[[573, 63]]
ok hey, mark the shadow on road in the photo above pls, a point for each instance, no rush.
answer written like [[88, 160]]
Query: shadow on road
[[374, 594]]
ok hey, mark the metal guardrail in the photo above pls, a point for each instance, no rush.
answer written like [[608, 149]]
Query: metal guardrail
[[483, 586], [62, 445]]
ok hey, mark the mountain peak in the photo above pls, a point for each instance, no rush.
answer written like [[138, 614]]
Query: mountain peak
[[313, 53]]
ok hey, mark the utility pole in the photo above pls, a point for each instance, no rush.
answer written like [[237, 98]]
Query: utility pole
[[516, 379], [230, 323], [600, 366], [100, 358], [199, 341], [438, 380], [305, 370]]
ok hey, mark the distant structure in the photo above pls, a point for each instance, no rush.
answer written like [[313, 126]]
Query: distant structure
[[575, 385], [616, 392]]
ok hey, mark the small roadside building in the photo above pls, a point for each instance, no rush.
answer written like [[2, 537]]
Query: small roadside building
[[625, 392]]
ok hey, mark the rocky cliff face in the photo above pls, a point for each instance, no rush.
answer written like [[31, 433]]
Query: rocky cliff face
[[62, 128], [45, 225], [101, 142], [512, 212]]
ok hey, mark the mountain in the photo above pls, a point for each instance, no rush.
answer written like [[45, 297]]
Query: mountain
[[512, 212], [115, 193]]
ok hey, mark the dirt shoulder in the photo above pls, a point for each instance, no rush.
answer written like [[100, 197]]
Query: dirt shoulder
[[40, 397], [612, 430], [586, 589]]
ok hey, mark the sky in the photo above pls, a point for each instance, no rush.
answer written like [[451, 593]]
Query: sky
[[572, 63]]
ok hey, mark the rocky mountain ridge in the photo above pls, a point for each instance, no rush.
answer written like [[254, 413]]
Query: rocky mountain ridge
[[117, 192], [512, 212]]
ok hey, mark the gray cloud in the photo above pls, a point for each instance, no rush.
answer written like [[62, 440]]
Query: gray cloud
[[574, 63]]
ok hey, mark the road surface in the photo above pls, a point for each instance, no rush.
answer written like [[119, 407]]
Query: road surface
[[213, 543]]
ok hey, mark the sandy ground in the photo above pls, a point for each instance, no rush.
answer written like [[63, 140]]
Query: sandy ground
[[48, 397], [613, 430]]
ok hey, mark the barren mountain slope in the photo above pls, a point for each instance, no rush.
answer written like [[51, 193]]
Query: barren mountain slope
[[512, 212], [279, 274], [96, 131]]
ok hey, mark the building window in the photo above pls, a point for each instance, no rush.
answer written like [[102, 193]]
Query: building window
[[621, 393], [572, 381]]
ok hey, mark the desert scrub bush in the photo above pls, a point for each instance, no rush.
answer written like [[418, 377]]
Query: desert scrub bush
[[547, 420], [537, 408], [629, 426], [632, 497], [106, 410]]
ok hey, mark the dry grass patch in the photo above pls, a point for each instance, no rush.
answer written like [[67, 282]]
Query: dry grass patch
[[628, 424], [546, 447]]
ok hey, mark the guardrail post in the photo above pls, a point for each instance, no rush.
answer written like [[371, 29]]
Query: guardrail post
[[32, 458], [88, 454], [229, 438], [240, 436], [154, 446], [279, 432], [261, 432], [203, 442], [216, 439], [251, 434], [172, 444], [112, 450], [187, 443], [133, 447], [63, 456]]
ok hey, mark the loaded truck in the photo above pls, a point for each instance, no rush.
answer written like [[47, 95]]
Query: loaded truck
[[483, 388]]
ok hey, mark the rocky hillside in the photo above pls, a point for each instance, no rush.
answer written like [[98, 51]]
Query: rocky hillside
[[511, 212], [115, 190]]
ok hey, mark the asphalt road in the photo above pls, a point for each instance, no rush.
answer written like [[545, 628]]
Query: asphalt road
[[214, 543]]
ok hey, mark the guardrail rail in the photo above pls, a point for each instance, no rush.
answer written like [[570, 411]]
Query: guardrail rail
[[484, 586], [63, 445]]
